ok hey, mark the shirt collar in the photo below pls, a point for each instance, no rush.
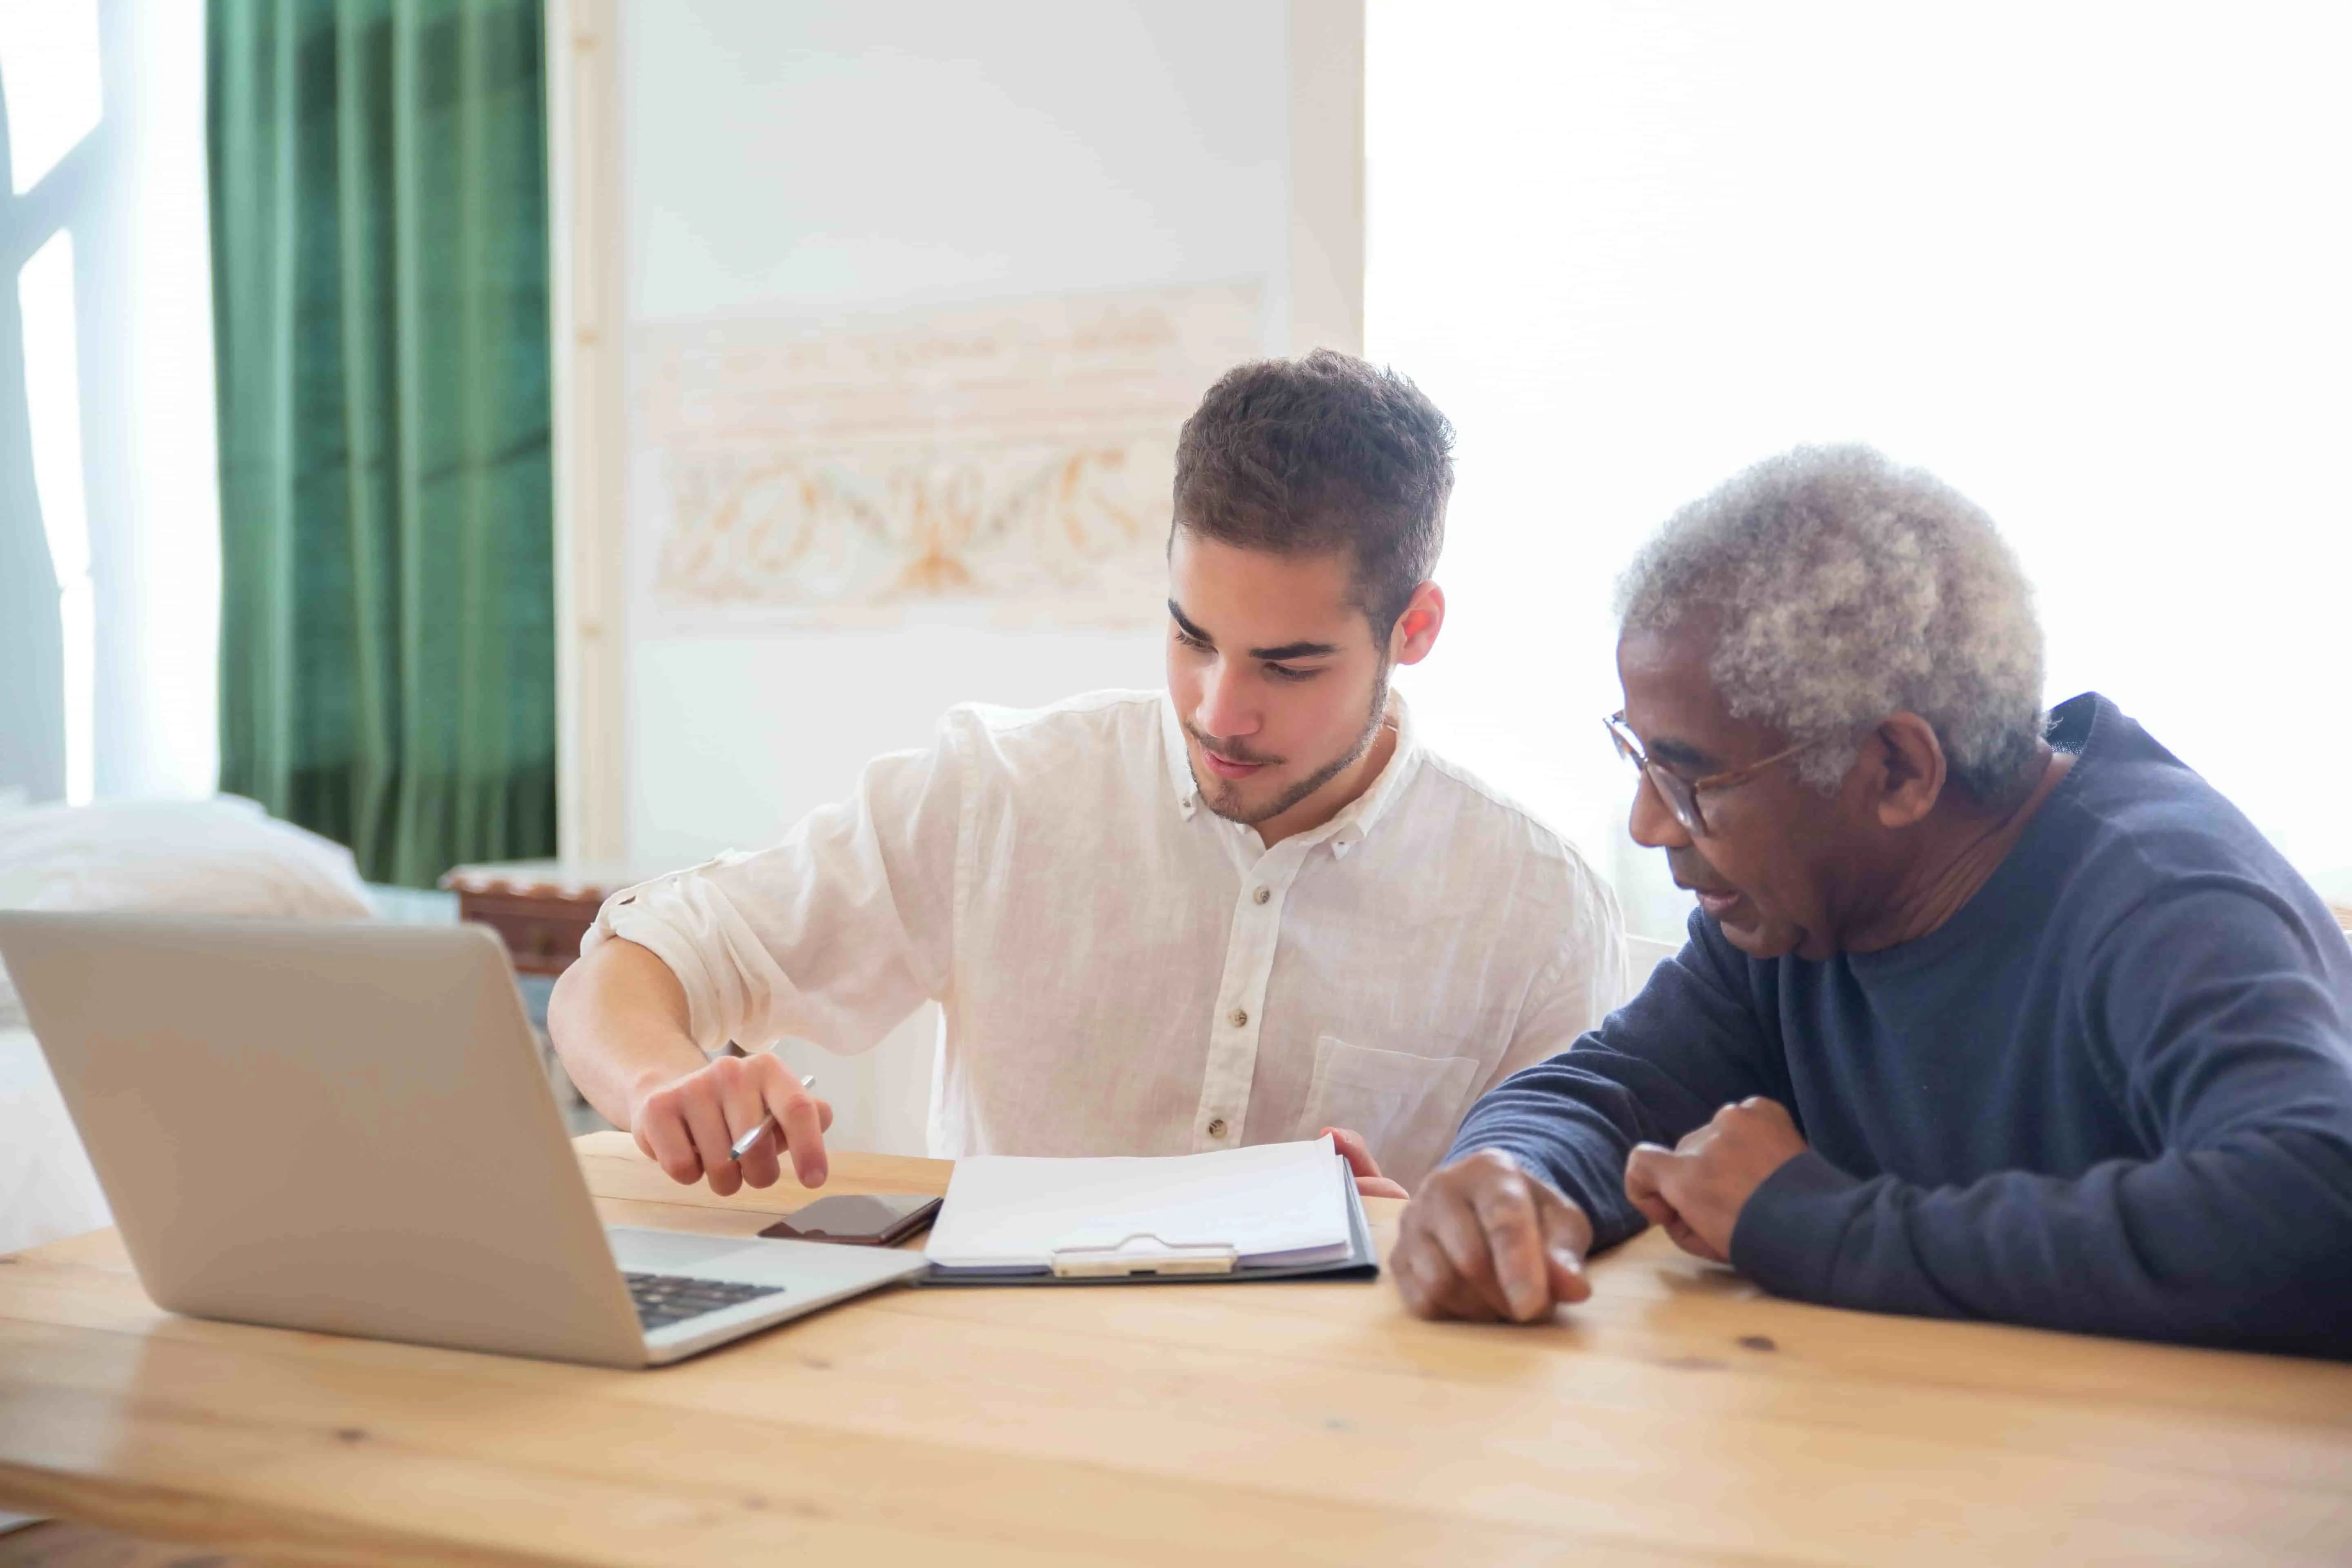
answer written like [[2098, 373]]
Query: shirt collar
[[1180, 761], [1345, 830], [1348, 830]]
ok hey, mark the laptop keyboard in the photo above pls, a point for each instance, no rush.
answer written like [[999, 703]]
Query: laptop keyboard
[[662, 1299]]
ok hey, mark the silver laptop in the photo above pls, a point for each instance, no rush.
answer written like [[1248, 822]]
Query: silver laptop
[[344, 1127]]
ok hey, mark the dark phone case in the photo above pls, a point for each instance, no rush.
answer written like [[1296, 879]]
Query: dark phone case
[[899, 1229]]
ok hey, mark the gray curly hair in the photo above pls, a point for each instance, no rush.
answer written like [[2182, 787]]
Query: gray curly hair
[[1844, 588]]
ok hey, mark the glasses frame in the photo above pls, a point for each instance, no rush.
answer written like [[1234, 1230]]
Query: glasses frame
[[1681, 795]]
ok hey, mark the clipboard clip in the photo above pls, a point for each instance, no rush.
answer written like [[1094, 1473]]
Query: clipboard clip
[[1143, 1253]]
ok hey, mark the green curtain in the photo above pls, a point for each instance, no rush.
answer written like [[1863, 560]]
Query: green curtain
[[380, 306]]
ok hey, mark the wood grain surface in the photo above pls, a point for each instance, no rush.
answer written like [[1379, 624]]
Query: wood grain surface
[[1680, 1416]]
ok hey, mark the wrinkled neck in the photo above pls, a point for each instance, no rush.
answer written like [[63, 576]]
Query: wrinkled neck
[[1964, 845]]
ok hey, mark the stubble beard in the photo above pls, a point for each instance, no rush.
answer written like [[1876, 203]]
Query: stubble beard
[[1224, 798]]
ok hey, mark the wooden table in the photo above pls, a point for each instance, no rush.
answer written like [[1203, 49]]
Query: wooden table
[[1680, 1416]]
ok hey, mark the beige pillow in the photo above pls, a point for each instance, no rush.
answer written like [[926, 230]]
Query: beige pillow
[[220, 856]]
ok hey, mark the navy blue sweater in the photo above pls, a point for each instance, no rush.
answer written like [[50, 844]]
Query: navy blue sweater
[[2112, 1094]]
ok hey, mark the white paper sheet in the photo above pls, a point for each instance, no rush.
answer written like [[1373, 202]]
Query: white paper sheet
[[1275, 1203]]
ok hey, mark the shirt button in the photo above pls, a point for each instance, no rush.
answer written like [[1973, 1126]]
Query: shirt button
[[1238, 1018], [1261, 895], [1217, 1127]]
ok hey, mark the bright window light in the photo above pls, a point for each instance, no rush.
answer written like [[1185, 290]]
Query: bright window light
[[2087, 262], [162, 632], [44, 293], [49, 70]]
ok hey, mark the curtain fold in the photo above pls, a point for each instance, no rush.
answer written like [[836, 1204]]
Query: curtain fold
[[381, 322]]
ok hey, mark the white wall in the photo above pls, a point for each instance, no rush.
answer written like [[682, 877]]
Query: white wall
[[815, 158], [2086, 261]]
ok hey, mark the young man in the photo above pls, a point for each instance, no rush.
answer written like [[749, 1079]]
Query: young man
[[1984, 1014], [1245, 910]]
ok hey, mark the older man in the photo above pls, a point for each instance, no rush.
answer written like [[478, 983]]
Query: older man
[[1984, 1013]]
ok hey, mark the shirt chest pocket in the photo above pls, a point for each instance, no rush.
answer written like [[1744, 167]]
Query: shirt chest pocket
[[1407, 1107]]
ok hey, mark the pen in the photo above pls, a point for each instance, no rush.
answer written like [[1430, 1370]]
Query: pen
[[767, 1123]]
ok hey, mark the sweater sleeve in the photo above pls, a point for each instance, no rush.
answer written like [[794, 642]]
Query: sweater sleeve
[[1658, 1067], [2221, 1012]]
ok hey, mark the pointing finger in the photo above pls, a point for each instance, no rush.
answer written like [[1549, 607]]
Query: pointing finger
[[1506, 1213], [800, 1122]]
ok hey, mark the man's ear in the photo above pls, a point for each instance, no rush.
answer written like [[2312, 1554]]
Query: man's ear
[[1415, 632], [1912, 770]]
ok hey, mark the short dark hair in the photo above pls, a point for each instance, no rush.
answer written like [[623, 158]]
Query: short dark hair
[[1317, 455]]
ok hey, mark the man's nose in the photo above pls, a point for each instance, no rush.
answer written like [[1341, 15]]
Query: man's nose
[[1226, 710], [1654, 825]]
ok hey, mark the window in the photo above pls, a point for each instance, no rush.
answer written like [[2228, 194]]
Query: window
[[49, 77], [110, 475], [45, 295], [48, 72]]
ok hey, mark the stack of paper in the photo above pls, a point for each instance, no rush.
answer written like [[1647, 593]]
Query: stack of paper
[[1277, 1207]]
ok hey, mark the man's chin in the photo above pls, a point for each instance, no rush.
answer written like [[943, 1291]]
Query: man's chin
[[1248, 804], [1755, 936]]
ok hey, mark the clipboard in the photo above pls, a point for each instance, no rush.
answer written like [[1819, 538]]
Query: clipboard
[[1141, 1257]]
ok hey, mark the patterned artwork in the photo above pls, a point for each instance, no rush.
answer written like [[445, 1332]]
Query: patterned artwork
[[1014, 459]]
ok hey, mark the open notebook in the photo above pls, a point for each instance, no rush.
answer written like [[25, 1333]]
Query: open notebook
[[1277, 1210]]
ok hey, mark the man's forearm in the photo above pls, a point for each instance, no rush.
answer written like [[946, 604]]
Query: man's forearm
[[2249, 1243], [618, 1019], [1572, 1121]]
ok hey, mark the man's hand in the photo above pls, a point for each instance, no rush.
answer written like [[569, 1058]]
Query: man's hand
[[1696, 1189], [1487, 1242], [687, 1125], [1370, 1183]]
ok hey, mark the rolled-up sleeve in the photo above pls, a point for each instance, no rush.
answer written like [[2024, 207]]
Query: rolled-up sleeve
[[834, 935]]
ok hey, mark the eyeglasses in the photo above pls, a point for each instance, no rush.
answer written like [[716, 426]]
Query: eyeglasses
[[1681, 795]]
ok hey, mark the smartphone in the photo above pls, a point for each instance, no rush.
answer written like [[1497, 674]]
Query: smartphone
[[857, 1220]]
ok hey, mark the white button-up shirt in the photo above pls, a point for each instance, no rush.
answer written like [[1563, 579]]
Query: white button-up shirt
[[1122, 971]]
